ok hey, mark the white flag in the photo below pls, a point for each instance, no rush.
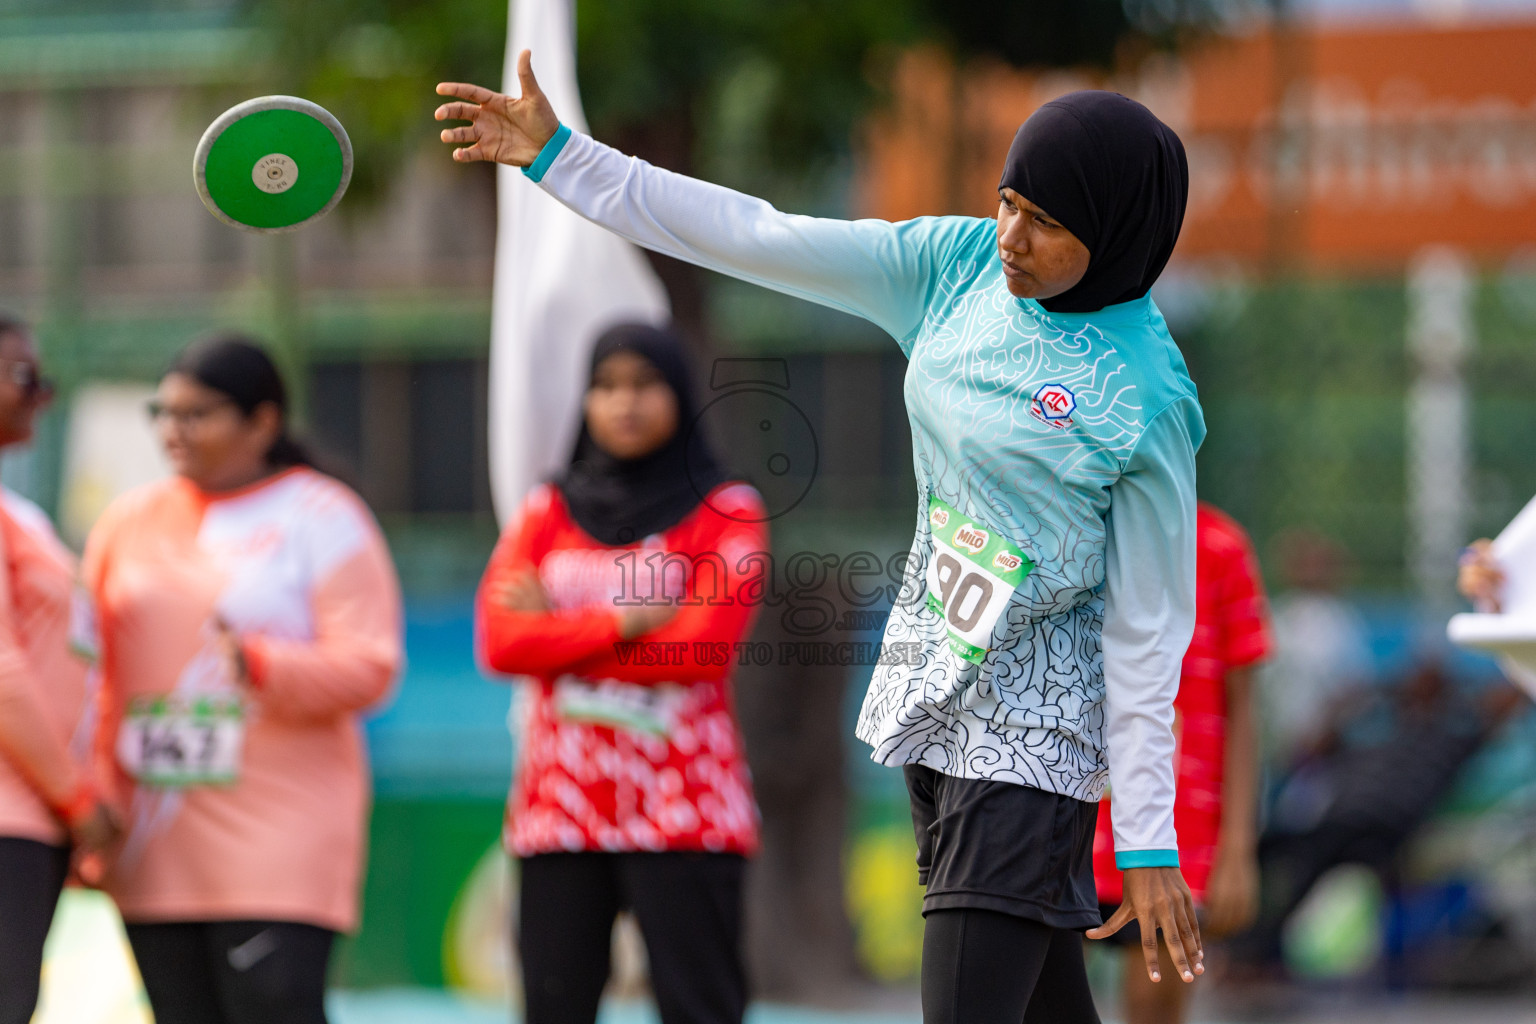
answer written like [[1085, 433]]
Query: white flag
[[560, 282]]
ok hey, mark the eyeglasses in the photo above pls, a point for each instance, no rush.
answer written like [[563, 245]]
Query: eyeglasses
[[26, 377], [193, 416]]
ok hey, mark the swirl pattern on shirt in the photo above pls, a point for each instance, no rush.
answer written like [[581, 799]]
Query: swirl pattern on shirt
[[1032, 711]]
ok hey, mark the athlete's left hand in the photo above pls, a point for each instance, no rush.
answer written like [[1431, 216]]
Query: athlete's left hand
[[1158, 898]]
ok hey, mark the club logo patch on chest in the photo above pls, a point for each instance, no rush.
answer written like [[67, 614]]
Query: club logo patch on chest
[[1054, 404]]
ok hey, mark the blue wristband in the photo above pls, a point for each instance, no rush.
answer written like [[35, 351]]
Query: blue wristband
[[547, 155], [1147, 859]]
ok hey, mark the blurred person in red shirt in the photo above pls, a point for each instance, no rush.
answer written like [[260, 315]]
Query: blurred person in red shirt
[[1216, 810], [621, 589]]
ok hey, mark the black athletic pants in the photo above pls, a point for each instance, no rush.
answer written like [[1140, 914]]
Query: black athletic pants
[[987, 967], [1009, 876], [31, 877], [233, 972], [688, 906]]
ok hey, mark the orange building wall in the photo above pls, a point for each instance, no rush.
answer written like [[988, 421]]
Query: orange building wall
[[1338, 147]]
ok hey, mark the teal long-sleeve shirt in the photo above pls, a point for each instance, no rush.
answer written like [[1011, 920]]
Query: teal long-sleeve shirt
[[1050, 587]]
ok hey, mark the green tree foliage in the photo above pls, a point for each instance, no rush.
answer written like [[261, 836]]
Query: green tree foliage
[[1034, 34], [674, 75], [756, 91], [373, 63], [1302, 383]]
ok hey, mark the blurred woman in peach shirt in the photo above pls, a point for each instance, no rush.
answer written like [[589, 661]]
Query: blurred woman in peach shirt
[[48, 803], [249, 615]]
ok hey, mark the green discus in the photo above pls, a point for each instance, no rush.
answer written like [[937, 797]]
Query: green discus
[[272, 164]]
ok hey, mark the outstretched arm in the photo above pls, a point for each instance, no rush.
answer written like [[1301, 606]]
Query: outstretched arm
[[884, 272]]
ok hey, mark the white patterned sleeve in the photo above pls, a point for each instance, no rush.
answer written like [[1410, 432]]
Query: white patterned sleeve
[[882, 271], [1149, 617]]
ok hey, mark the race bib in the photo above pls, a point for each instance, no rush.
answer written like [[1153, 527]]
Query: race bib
[[644, 709], [183, 741], [972, 574]]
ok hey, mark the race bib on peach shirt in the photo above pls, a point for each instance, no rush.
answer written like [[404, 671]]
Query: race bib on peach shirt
[[176, 742]]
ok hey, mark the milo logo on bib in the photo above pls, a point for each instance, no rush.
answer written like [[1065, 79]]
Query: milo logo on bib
[[971, 576]]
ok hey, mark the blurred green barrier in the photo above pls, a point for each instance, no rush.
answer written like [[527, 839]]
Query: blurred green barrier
[[421, 853]]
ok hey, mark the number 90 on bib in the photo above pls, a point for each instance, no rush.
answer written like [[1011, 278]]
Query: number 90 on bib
[[972, 574]]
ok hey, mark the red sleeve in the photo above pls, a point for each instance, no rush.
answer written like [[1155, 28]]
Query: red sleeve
[[714, 612], [1243, 612], [534, 643]]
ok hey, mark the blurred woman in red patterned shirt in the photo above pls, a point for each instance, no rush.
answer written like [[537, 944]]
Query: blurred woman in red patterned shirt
[[621, 589], [1216, 809]]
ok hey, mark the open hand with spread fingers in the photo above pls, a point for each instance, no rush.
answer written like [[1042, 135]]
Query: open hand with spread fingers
[[1157, 898], [503, 129]]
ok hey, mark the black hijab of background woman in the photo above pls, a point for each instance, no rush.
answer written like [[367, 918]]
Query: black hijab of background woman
[[619, 501], [238, 368]]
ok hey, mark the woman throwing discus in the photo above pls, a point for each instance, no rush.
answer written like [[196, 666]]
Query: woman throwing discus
[[1051, 581], [249, 615]]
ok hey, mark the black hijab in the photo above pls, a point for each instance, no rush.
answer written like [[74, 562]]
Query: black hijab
[[1113, 175], [620, 501]]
